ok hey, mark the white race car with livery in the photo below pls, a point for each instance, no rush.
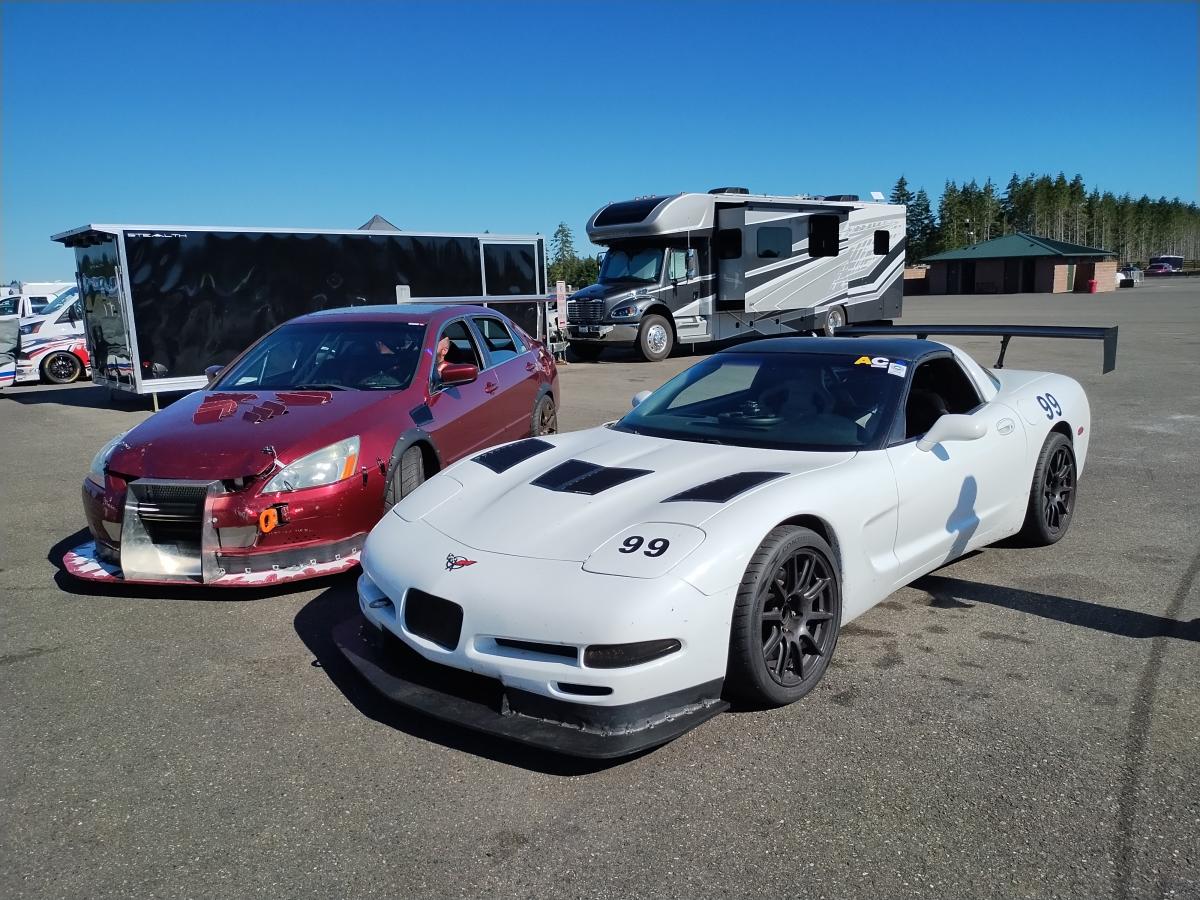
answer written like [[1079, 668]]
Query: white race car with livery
[[603, 591]]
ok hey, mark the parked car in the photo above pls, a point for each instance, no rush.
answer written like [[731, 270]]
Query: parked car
[[1159, 268], [279, 469], [711, 543], [1129, 275], [53, 347]]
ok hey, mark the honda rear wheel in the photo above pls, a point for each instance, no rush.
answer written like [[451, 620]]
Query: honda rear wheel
[[545, 417]]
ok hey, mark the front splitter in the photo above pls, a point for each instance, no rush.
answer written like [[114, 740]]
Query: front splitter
[[485, 705], [84, 562]]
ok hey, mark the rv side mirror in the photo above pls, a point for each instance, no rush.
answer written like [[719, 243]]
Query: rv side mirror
[[640, 397], [212, 372], [952, 427], [693, 266]]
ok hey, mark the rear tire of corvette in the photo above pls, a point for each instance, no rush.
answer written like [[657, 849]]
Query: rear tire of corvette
[[61, 367], [407, 476], [1052, 494], [545, 417], [786, 619]]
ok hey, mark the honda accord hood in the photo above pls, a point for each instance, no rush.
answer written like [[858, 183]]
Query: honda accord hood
[[224, 434], [533, 509]]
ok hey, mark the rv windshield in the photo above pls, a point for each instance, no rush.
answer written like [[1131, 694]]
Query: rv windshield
[[355, 356], [642, 266]]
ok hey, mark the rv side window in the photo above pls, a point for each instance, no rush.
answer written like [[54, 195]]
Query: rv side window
[[883, 242], [822, 235], [678, 269], [774, 243], [729, 243]]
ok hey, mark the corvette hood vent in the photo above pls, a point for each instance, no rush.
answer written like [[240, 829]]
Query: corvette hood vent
[[504, 458], [722, 490], [578, 477]]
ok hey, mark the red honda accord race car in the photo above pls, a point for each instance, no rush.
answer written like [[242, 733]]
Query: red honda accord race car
[[279, 469]]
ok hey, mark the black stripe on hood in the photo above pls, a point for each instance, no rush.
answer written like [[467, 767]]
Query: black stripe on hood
[[722, 490], [578, 477], [504, 458]]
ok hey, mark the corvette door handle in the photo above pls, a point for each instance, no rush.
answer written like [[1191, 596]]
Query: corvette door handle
[[491, 387], [1005, 426]]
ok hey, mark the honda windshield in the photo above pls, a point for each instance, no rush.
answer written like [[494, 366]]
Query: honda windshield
[[781, 401], [357, 356], [642, 266]]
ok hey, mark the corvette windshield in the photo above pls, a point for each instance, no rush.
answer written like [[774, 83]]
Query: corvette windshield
[[782, 401], [356, 356]]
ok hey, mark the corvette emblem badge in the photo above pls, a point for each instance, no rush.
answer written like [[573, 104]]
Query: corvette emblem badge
[[457, 562]]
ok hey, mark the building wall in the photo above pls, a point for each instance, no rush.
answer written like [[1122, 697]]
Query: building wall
[[989, 276], [1050, 275], [936, 279]]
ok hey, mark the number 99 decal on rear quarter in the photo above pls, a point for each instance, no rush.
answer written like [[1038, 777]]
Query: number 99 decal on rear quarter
[[644, 551]]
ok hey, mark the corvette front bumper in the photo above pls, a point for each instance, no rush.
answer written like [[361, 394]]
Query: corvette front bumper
[[487, 705]]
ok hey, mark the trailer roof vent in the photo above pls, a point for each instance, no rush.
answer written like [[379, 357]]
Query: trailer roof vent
[[730, 190], [628, 212], [841, 197]]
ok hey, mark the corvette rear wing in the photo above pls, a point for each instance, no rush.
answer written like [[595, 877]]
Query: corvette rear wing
[[1004, 332]]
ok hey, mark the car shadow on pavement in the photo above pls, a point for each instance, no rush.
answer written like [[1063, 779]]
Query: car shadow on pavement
[[69, 584], [85, 397], [956, 592], [315, 624]]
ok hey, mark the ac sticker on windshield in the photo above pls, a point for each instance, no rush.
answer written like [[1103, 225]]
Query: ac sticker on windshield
[[896, 367]]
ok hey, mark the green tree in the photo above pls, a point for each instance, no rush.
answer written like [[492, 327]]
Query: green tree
[[562, 244], [901, 193], [921, 228]]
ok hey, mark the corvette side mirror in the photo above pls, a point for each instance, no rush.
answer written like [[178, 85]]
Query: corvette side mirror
[[458, 373], [212, 372], [952, 427], [640, 396]]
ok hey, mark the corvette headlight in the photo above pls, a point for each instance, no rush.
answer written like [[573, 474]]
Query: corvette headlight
[[625, 312], [325, 466], [644, 551], [96, 471]]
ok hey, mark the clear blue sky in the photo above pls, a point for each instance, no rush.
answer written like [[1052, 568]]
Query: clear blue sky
[[514, 116]]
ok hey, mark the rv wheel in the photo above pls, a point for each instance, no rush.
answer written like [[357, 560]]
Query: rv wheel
[[834, 319], [61, 367], [655, 338]]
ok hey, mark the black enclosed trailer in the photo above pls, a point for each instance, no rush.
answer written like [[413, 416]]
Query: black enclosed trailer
[[161, 304]]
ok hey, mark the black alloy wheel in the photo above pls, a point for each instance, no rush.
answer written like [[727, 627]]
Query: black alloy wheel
[[786, 619], [61, 367], [1052, 494]]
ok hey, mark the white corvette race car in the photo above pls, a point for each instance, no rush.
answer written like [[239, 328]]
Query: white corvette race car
[[603, 591]]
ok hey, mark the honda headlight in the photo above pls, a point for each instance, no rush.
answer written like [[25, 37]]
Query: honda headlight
[[96, 471], [628, 311], [325, 466]]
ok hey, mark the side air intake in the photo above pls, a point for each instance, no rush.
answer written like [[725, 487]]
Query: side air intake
[[578, 477], [722, 490], [504, 458]]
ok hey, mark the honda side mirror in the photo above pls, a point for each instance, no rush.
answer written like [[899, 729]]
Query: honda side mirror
[[212, 372], [458, 373], [640, 397], [952, 427]]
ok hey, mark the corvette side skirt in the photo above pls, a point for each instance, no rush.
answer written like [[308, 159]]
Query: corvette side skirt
[[485, 705]]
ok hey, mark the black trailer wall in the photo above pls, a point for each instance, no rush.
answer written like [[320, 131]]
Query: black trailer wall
[[200, 298]]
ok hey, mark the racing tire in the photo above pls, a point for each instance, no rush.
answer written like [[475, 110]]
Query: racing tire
[[587, 352], [545, 417], [655, 339], [1052, 494], [61, 367], [834, 319], [786, 619], [407, 476]]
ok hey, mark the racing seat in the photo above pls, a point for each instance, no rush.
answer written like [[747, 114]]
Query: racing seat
[[923, 409]]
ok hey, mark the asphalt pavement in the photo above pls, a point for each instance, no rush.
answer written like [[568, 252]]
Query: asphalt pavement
[[1020, 724]]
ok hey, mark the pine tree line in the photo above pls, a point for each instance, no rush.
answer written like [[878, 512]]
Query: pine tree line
[[1134, 229]]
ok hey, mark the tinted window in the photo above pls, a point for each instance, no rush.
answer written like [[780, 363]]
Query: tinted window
[[939, 386], [500, 344], [729, 243], [200, 299], [822, 235], [334, 356], [461, 349], [628, 212], [774, 242], [509, 269], [883, 242], [677, 267], [785, 401], [8, 306]]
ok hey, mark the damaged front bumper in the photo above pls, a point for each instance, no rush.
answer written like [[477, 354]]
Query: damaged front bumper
[[487, 705]]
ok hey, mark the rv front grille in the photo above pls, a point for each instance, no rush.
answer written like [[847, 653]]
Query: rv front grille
[[582, 312]]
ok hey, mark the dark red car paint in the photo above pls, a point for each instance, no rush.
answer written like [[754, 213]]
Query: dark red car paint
[[225, 435]]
